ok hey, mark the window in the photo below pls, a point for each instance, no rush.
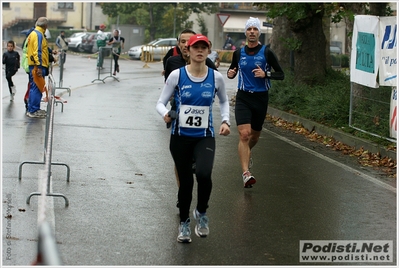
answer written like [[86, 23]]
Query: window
[[65, 5], [6, 5]]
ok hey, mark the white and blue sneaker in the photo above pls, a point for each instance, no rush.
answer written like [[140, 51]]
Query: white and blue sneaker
[[184, 235], [201, 228]]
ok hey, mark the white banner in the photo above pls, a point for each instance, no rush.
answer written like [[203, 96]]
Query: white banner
[[365, 51], [393, 115], [388, 45]]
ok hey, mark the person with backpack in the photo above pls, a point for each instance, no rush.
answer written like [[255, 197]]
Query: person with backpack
[[254, 62], [174, 51], [11, 60]]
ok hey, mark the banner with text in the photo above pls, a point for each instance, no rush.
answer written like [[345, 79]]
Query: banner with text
[[393, 116], [365, 52], [388, 45]]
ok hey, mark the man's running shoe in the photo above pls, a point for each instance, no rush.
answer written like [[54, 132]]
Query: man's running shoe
[[248, 179], [43, 112], [201, 228], [184, 232], [36, 114]]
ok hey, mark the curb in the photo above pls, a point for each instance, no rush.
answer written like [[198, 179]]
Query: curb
[[338, 135]]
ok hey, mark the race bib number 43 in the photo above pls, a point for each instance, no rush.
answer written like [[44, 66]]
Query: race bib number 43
[[194, 116]]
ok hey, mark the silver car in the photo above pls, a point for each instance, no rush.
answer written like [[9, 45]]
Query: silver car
[[75, 41], [156, 48]]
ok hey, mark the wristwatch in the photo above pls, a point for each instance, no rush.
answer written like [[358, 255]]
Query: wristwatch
[[268, 74], [226, 122]]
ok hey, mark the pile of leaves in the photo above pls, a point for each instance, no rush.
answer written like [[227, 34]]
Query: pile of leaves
[[364, 157]]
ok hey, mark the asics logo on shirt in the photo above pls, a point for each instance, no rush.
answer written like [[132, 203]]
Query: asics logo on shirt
[[258, 58], [185, 86], [194, 111]]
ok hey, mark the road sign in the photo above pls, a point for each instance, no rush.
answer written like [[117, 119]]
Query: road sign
[[223, 18]]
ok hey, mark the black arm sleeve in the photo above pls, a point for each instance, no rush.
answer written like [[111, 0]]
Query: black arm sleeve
[[278, 73], [234, 62]]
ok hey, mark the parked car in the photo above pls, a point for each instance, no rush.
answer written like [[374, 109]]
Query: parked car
[[335, 50], [158, 47], [87, 42], [75, 41]]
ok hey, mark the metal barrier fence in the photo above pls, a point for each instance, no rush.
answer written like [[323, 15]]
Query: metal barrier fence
[[369, 110], [153, 53], [61, 64], [48, 143], [47, 247], [105, 57]]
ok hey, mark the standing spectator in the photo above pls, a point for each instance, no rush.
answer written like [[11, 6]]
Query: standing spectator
[[229, 43], [11, 59], [101, 42], [252, 95], [214, 55], [62, 45], [38, 61], [174, 51], [193, 135], [118, 43], [176, 62], [183, 58]]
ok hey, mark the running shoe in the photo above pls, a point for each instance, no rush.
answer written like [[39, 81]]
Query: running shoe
[[201, 228], [248, 179], [184, 232], [36, 114]]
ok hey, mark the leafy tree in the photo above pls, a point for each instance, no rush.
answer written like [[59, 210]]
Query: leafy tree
[[158, 18], [306, 38]]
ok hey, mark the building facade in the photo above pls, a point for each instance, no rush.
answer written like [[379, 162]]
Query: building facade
[[19, 16]]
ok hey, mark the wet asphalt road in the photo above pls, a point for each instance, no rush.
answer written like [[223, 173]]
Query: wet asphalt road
[[122, 190]]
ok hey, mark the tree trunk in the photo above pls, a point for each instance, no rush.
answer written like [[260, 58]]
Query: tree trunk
[[152, 22], [378, 9], [281, 31], [310, 56]]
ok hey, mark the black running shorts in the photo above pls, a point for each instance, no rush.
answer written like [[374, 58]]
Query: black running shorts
[[251, 108]]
